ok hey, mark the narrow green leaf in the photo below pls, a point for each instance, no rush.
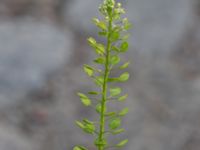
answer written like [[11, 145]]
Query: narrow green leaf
[[118, 131], [125, 65], [123, 112], [103, 33], [79, 148], [115, 123], [86, 121], [100, 24], [89, 128], [100, 60], [110, 114], [115, 60], [113, 79], [122, 143], [100, 49], [91, 41], [84, 99], [99, 81], [125, 37], [88, 70], [122, 98], [86, 102], [127, 24], [93, 93], [95, 20], [117, 28], [80, 124], [124, 77], [124, 47], [82, 95], [114, 48], [115, 91]]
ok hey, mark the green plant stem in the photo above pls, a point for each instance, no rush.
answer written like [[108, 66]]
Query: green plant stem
[[104, 89]]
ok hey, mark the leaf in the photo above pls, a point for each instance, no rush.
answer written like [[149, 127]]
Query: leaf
[[79, 148], [81, 95], [127, 24], [109, 114], [114, 48], [122, 98], [115, 36], [118, 131], [115, 60], [123, 112], [86, 121], [80, 124], [103, 33], [86, 102], [100, 60], [115, 123], [98, 108], [124, 47], [100, 142], [117, 28], [122, 143], [84, 99], [88, 70], [125, 37], [91, 41], [93, 93], [125, 65], [100, 24], [99, 81], [100, 49], [95, 20], [115, 91], [89, 128], [124, 77], [113, 79], [116, 16]]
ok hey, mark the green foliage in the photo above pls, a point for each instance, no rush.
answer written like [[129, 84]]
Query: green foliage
[[123, 112], [122, 98], [86, 126], [113, 27], [115, 123], [115, 91], [122, 143], [84, 99], [79, 148]]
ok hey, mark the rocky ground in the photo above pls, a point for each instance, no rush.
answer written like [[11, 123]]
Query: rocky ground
[[43, 45]]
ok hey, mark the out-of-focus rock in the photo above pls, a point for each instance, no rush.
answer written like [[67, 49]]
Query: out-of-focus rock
[[10, 139], [80, 14], [30, 51], [39, 8]]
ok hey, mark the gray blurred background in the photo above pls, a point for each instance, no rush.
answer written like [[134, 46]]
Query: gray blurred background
[[43, 46]]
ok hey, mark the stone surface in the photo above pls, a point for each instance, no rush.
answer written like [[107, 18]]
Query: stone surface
[[30, 51], [12, 140]]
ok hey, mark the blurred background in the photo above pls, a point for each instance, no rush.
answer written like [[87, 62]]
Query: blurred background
[[43, 46]]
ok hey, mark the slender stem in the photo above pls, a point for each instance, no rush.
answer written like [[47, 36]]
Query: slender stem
[[104, 89]]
